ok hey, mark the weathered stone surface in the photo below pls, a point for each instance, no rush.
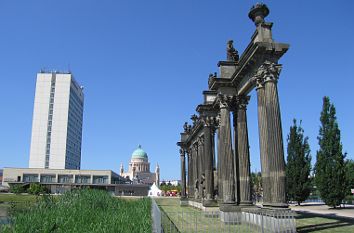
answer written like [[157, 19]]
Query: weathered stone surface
[[243, 152]]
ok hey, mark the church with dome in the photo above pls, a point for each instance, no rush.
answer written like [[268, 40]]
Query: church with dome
[[139, 169]]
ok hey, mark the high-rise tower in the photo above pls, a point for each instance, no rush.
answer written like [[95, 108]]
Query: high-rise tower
[[57, 122]]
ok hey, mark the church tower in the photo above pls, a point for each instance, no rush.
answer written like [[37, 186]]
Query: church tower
[[157, 174], [121, 169]]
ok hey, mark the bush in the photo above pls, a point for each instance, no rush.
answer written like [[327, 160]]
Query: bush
[[36, 189], [17, 188], [86, 210]]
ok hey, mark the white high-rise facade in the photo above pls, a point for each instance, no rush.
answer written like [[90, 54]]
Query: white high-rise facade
[[57, 122]]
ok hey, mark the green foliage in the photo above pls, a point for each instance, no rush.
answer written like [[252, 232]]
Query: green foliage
[[168, 187], [36, 189], [86, 210], [330, 170], [17, 188], [298, 165], [350, 175], [256, 185]]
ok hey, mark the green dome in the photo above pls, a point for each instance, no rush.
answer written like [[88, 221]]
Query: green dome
[[139, 153]]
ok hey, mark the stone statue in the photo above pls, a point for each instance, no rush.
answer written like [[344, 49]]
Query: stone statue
[[232, 53], [202, 186], [194, 118], [185, 127], [196, 189]]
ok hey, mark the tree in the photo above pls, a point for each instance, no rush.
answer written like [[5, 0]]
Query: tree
[[350, 175], [298, 165], [330, 170], [256, 185]]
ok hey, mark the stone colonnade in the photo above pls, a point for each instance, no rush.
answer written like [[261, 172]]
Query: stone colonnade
[[217, 172]]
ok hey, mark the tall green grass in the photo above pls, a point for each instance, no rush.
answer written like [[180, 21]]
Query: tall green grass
[[83, 211]]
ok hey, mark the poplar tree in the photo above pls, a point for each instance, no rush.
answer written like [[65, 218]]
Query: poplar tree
[[330, 170], [298, 165]]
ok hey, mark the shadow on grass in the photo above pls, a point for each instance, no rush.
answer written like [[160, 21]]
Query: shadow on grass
[[326, 222]]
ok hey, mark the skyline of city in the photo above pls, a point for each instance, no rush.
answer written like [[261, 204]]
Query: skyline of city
[[143, 77]]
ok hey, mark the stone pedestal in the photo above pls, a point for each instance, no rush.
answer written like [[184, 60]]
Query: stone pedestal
[[269, 220], [210, 203], [183, 201], [230, 213]]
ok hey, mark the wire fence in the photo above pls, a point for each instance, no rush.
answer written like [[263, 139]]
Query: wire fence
[[248, 220]]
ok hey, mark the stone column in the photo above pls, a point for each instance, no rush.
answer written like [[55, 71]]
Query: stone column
[[195, 183], [219, 165], [208, 152], [201, 175], [235, 155], [243, 152], [190, 173], [183, 173], [226, 155], [271, 139]]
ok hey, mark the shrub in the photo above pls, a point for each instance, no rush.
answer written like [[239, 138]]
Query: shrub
[[17, 188], [36, 189]]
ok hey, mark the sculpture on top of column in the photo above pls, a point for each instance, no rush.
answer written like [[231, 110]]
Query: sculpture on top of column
[[232, 53]]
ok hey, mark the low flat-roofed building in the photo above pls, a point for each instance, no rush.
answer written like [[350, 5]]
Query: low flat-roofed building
[[61, 180]]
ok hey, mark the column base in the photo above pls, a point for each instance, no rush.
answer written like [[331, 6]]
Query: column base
[[210, 203], [230, 213], [246, 203], [183, 201], [275, 205], [269, 220]]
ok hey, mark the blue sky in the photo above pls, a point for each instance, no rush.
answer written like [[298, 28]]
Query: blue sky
[[144, 65]]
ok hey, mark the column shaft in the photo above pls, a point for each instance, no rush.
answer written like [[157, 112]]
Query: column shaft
[[226, 157], [263, 143], [209, 176], [275, 148], [183, 174], [236, 159], [219, 166], [244, 155], [195, 170], [201, 166], [190, 174]]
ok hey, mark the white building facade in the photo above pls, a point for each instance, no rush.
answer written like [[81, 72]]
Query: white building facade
[[57, 122]]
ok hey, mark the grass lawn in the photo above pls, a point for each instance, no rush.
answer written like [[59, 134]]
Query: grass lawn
[[17, 198], [304, 222], [315, 223], [188, 219]]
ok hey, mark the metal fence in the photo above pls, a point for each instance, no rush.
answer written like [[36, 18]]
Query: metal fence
[[249, 220]]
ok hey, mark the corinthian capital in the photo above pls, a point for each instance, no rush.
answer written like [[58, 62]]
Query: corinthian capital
[[182, 151], [200, 141], [242, 101], [268, 71], [225, 101]]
